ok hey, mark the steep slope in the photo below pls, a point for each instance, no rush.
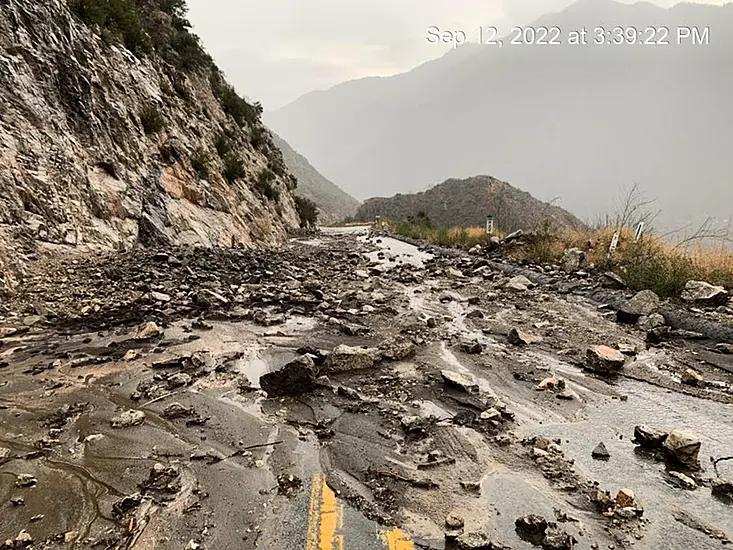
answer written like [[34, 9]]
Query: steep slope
[[579, 121], [117, 128], [463, 203], [334, 205]]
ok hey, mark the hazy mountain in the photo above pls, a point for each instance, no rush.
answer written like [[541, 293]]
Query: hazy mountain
[[576, 121], [334, 205], [463, 203]]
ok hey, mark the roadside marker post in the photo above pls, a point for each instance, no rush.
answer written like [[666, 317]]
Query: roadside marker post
[[489, 224], [639, 230]]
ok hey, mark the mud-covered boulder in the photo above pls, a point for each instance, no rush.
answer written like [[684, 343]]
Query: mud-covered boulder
[[644, 302], [702, 293], [295, 378], [396, 348]]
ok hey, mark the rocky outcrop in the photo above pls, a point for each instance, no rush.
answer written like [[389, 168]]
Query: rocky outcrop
[[464, 203], [107, 140]]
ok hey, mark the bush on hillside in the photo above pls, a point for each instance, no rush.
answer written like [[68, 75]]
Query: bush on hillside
[[152, 120], [307, 211]]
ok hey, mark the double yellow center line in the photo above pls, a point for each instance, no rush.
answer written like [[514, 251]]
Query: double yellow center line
[[326, 522]]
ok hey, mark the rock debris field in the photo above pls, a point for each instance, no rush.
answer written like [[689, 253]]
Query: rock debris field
[[353, 391]]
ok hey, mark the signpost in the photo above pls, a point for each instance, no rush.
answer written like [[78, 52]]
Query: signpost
[[489, 224]]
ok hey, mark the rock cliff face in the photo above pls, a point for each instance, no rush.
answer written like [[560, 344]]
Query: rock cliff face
[[464, 203], [116, 128]]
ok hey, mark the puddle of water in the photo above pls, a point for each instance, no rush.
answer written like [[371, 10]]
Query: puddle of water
[[402, 252]]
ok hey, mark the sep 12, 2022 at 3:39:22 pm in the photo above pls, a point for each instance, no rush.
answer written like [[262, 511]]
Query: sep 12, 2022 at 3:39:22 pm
[[650, 35]]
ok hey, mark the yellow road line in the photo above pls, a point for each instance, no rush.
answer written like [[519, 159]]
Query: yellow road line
[[325, 518], [397, 540]]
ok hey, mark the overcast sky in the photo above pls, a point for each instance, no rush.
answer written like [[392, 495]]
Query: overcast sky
[[274, 51]]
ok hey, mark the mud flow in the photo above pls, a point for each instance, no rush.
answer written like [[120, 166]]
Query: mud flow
[[354, 392]]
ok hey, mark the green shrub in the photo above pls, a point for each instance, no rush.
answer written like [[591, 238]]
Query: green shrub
[[118, 21], [223, 145], [233, 105], [307, 211], [200, 163], [264, 185], [233, 168], [152, 120]]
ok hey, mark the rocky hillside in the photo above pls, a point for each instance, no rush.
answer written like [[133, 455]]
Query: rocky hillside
[[117, 128], [334, 204], [464, 203]]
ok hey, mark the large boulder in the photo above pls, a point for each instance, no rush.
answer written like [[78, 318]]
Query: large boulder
[[684, 447], [295, 378], [644, 302], [604, 359], [702, 293]]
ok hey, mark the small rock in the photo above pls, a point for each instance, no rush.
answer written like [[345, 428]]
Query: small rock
[[25, 480], [573, 259], [600, 452], [454, 522], [723, 347], [520, 283], [518, 338], [644, 302], [179, 379], [721, 487], [295, 378], [17, 501], [702, 293], [128, 419], [464, 382], [23, 539], [208, 298], [692, 378], [531, 525], [176, 410], [650, 322], [472, 347], [345, 358], [604, 359], [490, 414], [4, 453], [626, 498], [649, 438], [147, 331], [568, 395], [397, 348], [683, 480], [684, 446], [611, 280], [552, 383], [160, 297]]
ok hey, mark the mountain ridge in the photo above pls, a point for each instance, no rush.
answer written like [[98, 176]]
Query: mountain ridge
[[570, 121]]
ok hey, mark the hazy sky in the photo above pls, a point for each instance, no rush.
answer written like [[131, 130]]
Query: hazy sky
[[278, 50]]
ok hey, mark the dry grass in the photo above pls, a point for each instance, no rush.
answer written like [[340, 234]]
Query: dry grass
[[652, 263], [454, 237]]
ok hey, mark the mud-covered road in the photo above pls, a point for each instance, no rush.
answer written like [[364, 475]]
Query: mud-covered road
[[349, 392]]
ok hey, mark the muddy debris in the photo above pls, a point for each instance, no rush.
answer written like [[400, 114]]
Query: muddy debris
[[345, 358], [25, 480], [176, 410], [289, 485], [692, 378]]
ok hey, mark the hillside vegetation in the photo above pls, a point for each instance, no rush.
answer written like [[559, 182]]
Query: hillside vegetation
[[464, 203]]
